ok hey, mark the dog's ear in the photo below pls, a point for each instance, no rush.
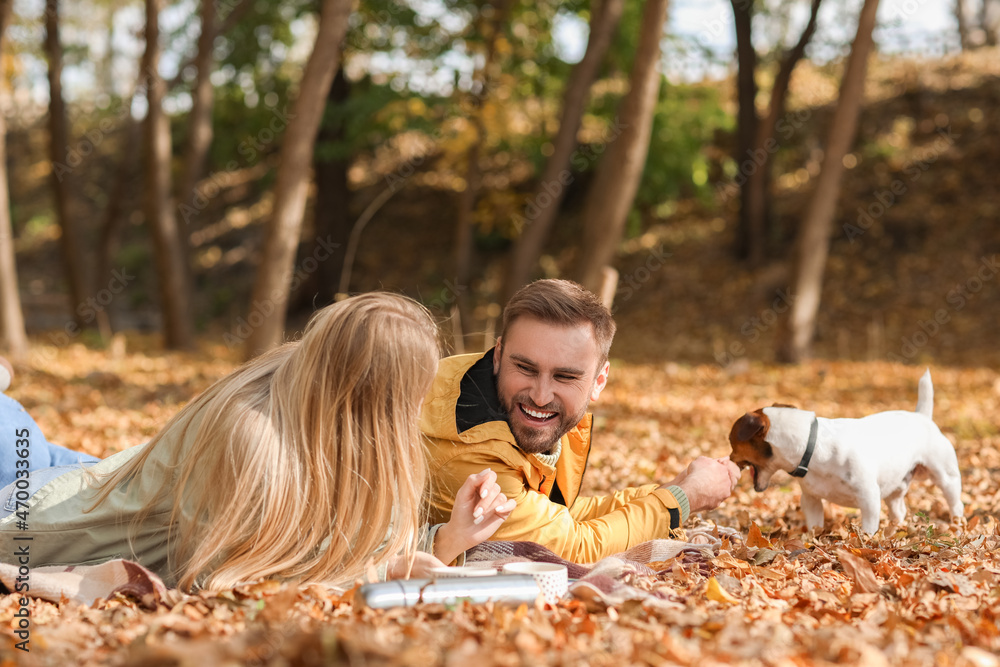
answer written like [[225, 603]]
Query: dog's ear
[[750, 425], [783, 405]]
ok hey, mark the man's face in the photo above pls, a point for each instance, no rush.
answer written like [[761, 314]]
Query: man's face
[[547, 375]]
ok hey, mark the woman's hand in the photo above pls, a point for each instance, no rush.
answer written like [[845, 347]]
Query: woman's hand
[[480, 508], [400, 568]]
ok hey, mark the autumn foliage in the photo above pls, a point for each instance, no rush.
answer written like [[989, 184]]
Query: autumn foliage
[[921, 593]]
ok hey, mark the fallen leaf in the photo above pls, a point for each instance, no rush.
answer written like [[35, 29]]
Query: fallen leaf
[[765, 556], [860, 572], [717, 593], [756, 539]]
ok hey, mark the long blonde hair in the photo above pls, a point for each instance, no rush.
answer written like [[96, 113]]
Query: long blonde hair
[[307, 462]]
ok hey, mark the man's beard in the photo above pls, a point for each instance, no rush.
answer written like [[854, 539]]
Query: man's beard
[[538, 440]]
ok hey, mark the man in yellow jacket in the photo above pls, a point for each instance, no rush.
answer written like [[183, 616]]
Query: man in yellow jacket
[[521, 409]]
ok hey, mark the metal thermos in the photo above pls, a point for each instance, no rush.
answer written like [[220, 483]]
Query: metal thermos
[[408, 592]]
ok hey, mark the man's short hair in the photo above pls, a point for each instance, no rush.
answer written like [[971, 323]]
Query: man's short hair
[[565, 303]]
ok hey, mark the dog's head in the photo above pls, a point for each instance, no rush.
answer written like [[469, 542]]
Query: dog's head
[[748, 439]]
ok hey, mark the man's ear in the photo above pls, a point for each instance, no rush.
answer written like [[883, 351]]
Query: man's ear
[[496, 356], [600, 381]]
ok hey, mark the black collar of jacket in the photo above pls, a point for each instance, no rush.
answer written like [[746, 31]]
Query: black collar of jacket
[[810, 446], [478, 401]]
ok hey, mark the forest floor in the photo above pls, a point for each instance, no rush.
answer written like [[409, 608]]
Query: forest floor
[[927, 592]]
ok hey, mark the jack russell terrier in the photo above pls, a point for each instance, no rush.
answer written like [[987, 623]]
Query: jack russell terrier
[[850, 462]]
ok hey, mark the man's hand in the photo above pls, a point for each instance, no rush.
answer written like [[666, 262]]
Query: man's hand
[[707, 482], [480, 507]]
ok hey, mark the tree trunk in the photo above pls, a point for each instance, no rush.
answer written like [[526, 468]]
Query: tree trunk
[[11, 315], [229, 20], [105, 69], [199, 136], [464, 239], [989, 21], [70, 244], [552, 186], [750, 237], [10, 298], [123, 184], [171, 262], [757, 198], [124, 178], [332, 212], [961, 6], [617, 179], [813, 242], [274, 275]]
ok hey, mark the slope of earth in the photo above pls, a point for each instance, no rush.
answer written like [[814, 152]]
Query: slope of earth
[[915, 250]]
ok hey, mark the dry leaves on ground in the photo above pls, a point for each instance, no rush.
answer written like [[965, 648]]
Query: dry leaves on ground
[[927, 592]]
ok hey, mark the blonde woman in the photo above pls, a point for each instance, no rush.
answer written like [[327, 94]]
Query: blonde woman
[[305, 464]]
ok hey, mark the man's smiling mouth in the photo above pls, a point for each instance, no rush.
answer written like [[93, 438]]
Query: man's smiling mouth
[[536, 416]]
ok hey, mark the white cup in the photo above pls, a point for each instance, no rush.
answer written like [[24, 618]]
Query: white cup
[[462, 571], [552, 579]]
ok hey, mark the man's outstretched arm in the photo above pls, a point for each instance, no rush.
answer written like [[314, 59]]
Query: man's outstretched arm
[[707, 482], [649, 514]]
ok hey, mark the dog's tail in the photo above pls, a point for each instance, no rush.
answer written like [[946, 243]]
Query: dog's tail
[[925, 395]]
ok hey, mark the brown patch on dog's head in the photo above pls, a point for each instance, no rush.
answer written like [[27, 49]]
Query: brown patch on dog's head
[[749, 447], [783, 405]]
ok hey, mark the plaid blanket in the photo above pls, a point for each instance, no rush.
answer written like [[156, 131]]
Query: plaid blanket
[[610, 581], [85, 584]]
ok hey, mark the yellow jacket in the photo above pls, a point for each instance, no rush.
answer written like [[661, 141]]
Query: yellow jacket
[[465, 432]]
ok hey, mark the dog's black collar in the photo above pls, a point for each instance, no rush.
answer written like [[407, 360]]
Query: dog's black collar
[[810, 446]]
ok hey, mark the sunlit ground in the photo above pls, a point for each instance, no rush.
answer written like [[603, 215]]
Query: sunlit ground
[[920, 593]]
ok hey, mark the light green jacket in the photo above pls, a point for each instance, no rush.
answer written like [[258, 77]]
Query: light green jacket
[[64, 530]]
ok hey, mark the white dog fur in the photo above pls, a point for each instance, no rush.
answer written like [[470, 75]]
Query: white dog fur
[[856, 462]]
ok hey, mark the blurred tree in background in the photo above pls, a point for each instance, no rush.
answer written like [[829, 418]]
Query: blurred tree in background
[[296, 150]]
